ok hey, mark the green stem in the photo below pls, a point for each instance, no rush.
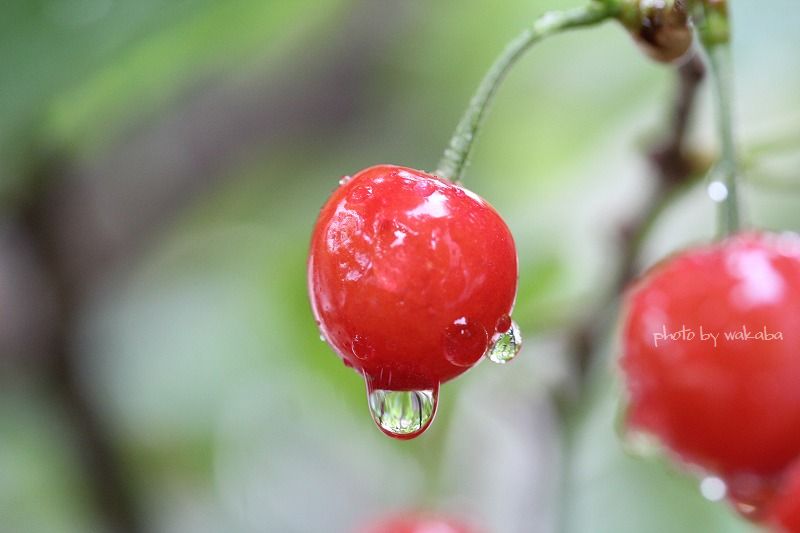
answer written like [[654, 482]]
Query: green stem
[[714, 31], [727, 167], [455, 157]]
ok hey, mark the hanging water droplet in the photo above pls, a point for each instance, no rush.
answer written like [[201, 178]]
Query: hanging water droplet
[[717, 191], [345, 179], [713, 488], [506, 345], [322, 337], [402, 414], [465, 342]]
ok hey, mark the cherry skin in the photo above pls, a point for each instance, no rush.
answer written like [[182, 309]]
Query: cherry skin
[[733, 410], [409, 276], [418, 523]]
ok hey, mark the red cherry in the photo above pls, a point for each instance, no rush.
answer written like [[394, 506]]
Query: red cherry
[[409, 275], [785, 508], [733, 409], [418, 523]]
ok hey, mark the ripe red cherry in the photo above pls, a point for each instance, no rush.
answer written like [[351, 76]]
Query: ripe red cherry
[[418, 523], [735, 409], [409, 278]]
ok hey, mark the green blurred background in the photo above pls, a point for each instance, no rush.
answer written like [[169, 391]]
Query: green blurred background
[[161, 166]]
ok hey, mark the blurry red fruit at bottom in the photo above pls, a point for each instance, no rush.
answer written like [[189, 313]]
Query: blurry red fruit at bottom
[[418, 523]]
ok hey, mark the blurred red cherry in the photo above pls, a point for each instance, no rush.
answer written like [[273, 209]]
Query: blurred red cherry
[[729, 404], [418, 523]]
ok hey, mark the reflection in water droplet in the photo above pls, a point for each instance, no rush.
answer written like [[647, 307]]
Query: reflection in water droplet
[[345, 179], [505, 346], [402, 414], [713, 488], [717, 191], [322, 337], [362, 348], [465, 342]]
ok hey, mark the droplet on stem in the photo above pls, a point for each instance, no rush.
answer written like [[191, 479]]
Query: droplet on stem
[[402, 414], [717, 191], [505, 345]]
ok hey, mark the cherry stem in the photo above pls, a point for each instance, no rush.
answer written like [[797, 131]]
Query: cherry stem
[[454, 160], [727, 167], [714, 31]]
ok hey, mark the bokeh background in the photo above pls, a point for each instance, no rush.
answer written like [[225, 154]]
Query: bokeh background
[[162, 163]]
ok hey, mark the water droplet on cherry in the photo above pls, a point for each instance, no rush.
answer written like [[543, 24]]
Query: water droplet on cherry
[[465, 342], [505, 345], [402, 414], [362, 348], [361, 193]]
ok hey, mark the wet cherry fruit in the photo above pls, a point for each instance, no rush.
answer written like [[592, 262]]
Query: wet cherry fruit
[[711, 357], [418, 523], [412, 280]]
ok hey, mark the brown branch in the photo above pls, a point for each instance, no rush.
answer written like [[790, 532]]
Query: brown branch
[[673, 169], [102, 464]]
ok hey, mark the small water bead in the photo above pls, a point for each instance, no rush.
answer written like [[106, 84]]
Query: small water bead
[[362, 348], [717, 191], [465, 341], [713, 488], [345, 179], [505, 345], [361, 193], [402, 414]]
